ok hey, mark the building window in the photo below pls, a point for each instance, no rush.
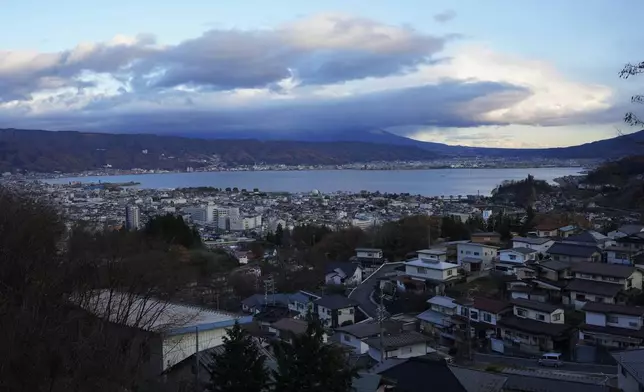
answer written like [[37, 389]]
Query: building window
[[468, 252], [477, 254], [555, 257], [347, 338], [450, 272], [421, 270], [487, 317], [633, 324], [474, 315], [521, 312], [512, 257], [464, 311], [541, 317], [580, 297], [556, 317], [351, 311]]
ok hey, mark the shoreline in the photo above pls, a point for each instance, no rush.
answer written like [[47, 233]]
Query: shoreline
[[128, 173]]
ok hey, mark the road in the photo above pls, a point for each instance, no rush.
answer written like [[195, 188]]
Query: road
[[362, 293], [532, 363]]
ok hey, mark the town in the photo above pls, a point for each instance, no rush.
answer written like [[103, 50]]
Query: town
[[489, 287]]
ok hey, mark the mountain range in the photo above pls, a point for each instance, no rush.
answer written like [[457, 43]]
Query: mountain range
[[69, 151]]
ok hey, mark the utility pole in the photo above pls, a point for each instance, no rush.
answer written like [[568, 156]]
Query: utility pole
[[381, 314], [197, 359]]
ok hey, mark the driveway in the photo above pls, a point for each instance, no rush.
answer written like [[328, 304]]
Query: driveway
[[362, 293]]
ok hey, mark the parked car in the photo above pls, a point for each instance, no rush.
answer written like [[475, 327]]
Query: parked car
[[551, 359]]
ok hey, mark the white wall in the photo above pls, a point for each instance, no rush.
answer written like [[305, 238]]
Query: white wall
[[478, 251], [534, 314], [623, 321], [415, 350], [176, 348], [429, 273], [359, 347], [345, 315], [481, 315], [588, 298]]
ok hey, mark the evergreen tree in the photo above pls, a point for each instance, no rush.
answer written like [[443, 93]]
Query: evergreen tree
[[308, 364], [240, 368], [279, 233]]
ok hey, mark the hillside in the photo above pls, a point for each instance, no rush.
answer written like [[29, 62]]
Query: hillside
[[616, 147], [44, 151]]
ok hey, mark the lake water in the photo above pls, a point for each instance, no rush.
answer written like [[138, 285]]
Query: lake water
[[436, 182]]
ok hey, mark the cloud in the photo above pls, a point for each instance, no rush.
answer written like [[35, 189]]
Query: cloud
[[445, 16], [322, 73]]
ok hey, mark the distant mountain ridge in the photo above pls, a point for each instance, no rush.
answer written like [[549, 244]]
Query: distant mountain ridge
[[69, 151]]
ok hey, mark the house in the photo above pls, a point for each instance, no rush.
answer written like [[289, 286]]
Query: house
[[475, 257], [369, 257], [355, 335], [541, 245], [623, 255], [421, 374], [428, 269], [301, 302], [493, 238], [535, 327], [510, 259], [569, 252], [336, 310], [566, 231], [483, 315], [634, 242], [173, 328], [630, 370], [405, 344], [599, 282], [590, 237], [437, 320], [519, 380], [349, 274], [625, 231], [286, 328], [436, 254], [547, 230], [612, 326]]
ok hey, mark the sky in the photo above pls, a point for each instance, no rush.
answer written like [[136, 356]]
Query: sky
[[499, 73]]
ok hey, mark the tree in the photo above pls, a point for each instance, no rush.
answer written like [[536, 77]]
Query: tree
[[240, 368], [173, 230], [308, 364], [632, 70], [279, 234]]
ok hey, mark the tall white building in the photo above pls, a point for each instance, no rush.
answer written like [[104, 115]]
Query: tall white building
[[132, 217]]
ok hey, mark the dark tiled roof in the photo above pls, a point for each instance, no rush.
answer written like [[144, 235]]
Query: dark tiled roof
[[486, 234], [534, 327], [633, 362], [522, 250], [554, 265], [540, 306], [591, 287], [365, 330], [575, 250], [532, 240], [414, 374], [478, 381], [291, 325], [397, 340], [612, 308], [486, 304], [347, 268], [585, 237], [521, 383], [603, 269], [630, 229], [635, 333], [335, 301]]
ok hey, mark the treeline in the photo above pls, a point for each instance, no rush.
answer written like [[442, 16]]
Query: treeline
[[618, 172], [48, 343], [523, 192]]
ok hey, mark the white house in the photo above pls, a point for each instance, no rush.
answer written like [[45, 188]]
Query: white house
[[630, 370], [355, 335], [621, 254], [406, 344], [612, 326], [600, 282], [177, 326], [483, 314], [437, 254], [335, 310], [437, 320], [428, 269], [541, 245], [476, 257], [625, 231], [535, 327]]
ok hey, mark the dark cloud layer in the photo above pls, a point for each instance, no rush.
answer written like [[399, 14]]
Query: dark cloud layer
[[433, 105]]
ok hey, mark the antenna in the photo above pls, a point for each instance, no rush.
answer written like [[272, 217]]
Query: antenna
[[269, 289]]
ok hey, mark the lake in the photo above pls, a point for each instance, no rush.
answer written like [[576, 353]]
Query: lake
[[435, 182]]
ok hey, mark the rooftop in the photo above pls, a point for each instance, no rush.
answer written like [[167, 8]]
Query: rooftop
[[438, 265], [534, 327], [531, 241], [335, 301], [554, 265], [603, 269], [574, 250], [486, 304], [447, 302], [592, 287], [155, 315], [633, 362], [541, 306], [393, 341], [628, 310], [520, 249]]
